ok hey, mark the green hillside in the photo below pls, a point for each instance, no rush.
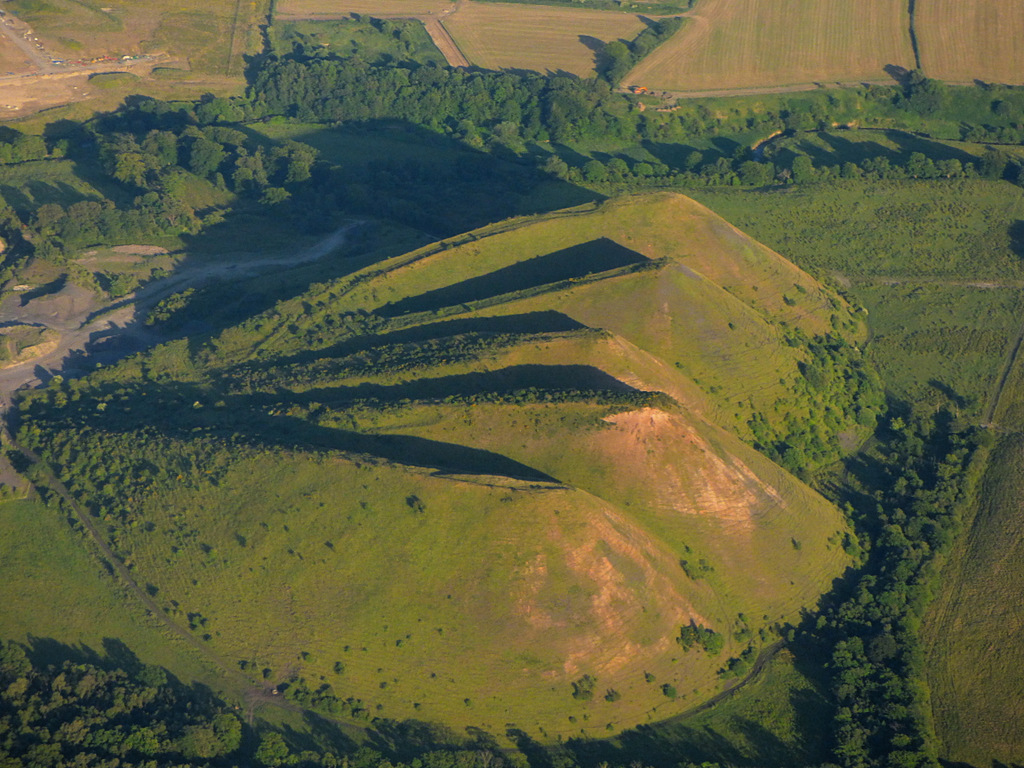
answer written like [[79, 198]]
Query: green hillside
[[497, 481]]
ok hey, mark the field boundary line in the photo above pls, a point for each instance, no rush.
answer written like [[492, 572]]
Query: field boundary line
[[912, 29], [234, 37]]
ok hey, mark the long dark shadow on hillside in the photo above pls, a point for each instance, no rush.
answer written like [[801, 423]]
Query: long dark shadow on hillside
[[529, 323], [245, 419], [393, 169], [550, 378], [912, 29], [577, 261], [435, 184], [289, 432]]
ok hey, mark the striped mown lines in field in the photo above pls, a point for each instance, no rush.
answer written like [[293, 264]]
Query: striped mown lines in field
[[541, 38], [336, 9], [750, 44], [963, 40]]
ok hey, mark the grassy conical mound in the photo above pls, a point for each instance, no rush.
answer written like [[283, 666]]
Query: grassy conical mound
[[501, 481]]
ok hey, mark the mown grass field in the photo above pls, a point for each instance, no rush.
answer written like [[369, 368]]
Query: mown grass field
[[212, 35], [743, 44], [972, 40], [540, 38], [973, 630]]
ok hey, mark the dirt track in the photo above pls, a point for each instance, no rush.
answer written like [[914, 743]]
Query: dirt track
[[79, 324], [46, 83], [83, 322], [15, 31], [445, 43]]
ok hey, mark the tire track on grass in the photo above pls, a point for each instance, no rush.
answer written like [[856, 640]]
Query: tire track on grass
[[993, 406], [760, 663]]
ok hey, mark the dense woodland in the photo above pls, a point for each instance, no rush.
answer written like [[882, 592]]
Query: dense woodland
[[906, 515]]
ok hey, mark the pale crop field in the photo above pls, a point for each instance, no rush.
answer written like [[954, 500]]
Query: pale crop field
[[968, 39], [211, 34], [749, 44], [508, 36], [333, 9]]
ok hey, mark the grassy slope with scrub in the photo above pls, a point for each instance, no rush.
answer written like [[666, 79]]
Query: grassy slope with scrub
[[401, 552]]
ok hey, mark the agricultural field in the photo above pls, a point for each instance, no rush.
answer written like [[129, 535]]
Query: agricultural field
[[286, 10], [971, 40], [211, 34], [974, 652], [540, 38], [750, 44], [496, 35]]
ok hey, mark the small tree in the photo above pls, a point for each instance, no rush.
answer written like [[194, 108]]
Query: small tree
[[272, 750], [583, 689]]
